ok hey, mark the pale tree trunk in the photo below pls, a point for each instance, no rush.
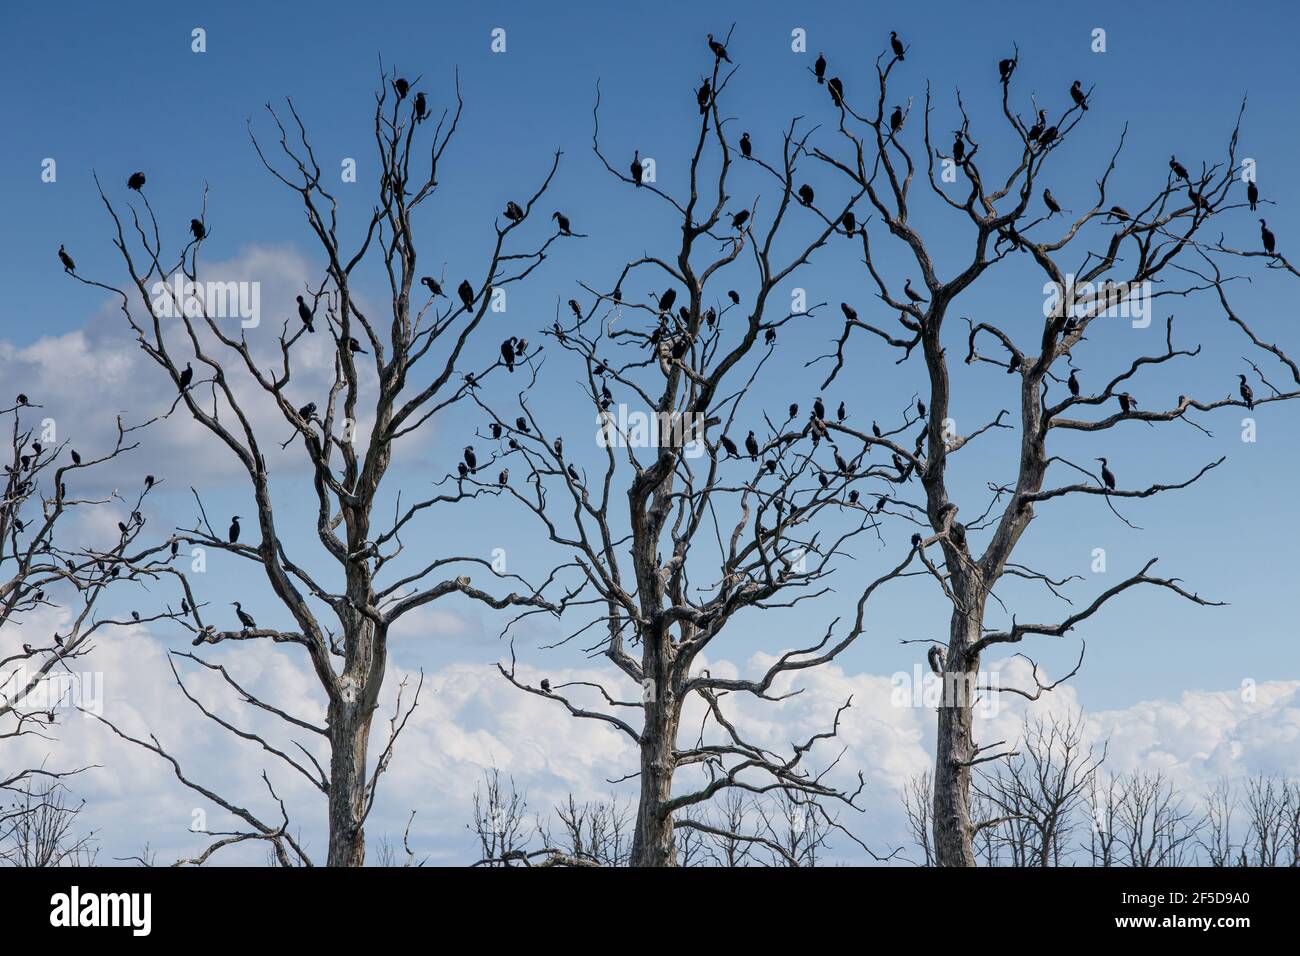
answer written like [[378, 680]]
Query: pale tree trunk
[[955, 743], [652, 843], [349, 741]]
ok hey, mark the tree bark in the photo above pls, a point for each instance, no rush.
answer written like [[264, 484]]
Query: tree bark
[[653, 843], [955, 744], [349, 741]]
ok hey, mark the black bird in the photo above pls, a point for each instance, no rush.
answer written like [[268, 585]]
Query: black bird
[[875, 429], [563, 221], [667, 299], [234, 529], [68, 264], [546, 685], [819, 68], [521, 348], [770, 465], [187, 376], [421, 107], [495, 428], [806, 194], [1048, 137], [916, 540], [504, 478], [575, 308], [730, 447], [1077, 94], [307, 412], [819, 408], [1266, 234], [896, 120], [197, 229], [22, 398], [702, 96], [1006, 68], [355, 347], [1107, 476], [920, 408], [28, 650], [76, 457], [850, 223], [734, 296], [136, 181], [1053, 207], [1120, 213], [840, 463], [471, 459], [463, 469], [432, 285], [466, 293], [1073, 382], [1126, 403], [1178, 168], [739, 219], [1036, 131], [751, 446], [513, 212], [401, 87], [794, 409], [637, 169], [823, 480], [572, 472], [508, 353], [121, 526], [958, 148], [1013, 363], [521, 423], [836, 88], [850, 313], [245, 618], [1247, 395], [148, 481], [912, 293], [1252, 194], [853, 497], [718, 49], [304, 313], [746, 148], [896, 44], [841, 413]]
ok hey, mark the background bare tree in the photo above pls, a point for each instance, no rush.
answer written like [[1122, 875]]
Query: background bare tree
[[40, 828], [726, 508], [395, 371], [1120, 255]]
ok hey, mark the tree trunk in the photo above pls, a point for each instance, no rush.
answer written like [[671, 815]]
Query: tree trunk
[[955, 744], [349, 740], [652, 843]]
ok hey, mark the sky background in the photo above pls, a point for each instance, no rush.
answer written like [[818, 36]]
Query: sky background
[[98, 90]]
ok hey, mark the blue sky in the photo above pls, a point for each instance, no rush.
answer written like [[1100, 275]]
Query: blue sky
[[100, 89]]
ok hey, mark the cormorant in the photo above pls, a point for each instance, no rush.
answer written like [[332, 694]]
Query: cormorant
[[508, 353], [806, 194], [304, 313], [819, 68], [521, 348], [421, 108], [1126, 403], [702, 97], [513, 212], [401, 87], [718, 49], [187, 376], [637, 169], [853, 497], [521, 423], [466, 293], [575, 308], [563, 221], [912, 293], [1013, 363], [307, 412], [1073, 382], [1107, 476], [751, 446], [823, 480], [1266, 234], [770, 465], [896, 45], [1247, 395], [503, 478], [739, 219], [875, 429], [841, 413], [1120, 213], [896, 120], [1006, 68], [245, 618], [546, 685], [1036, 131], [1252, 194], [819, 408], [471, 459], [840, 463], [794, 409], [68, 264], [572, 472], [667, 299], [916, 539], [850, 223], [1076, 94], [734, 296], [432, 285], [148, 481], [355, 347], [730, 447], [22, 398], [463, 469], [836, 88], [495, 428], [920, 408], [1178, 168], [76, 457], [958, 148], [136, 181], [1053, 207], [197, 229], [745, 146], [234, 529], [558, 445]]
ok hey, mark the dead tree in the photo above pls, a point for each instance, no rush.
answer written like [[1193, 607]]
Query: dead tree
[[39, 828], [918, 808], [1153, 248], [1215, 838], [725, 505], [398, 367], [47, 485]]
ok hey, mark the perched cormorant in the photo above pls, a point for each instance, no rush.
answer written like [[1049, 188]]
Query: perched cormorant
[[836, 88], [730, 447], [197, 229], [794, 409], [896, 120], [68, 264], [1036, 131], [463, 469], [575, 308], [920, 408], [958, 148], [1266, 234], [304, 313], [916, 539], [1048, 137], [912, 293], [935, 654], [471, 459], [1013, 363], [572, 472], [806, 194], [751, 446], [432, 285], [563, 221], [421, 107], [1126, 403], [148, 481], [521, 423], [76, 457], [1120, 213], [1006, 68], [1077, 94], [770, 465], [1073, 382], [136, 181], [355, 347], [637, 169], [718, 49], [22, 398], [234, 529], [466, 293], [853, 497], [896, 44], [504, 478], [1178, 168], [508, 353], [746, 148], [546, 685], [1252, 194], [819, 68], [702, 96], [1053, 207], [307, 412], [401, 87], [1247, 395], [739, 219], [850, 223], [875, 429], [841, 413], [187, 376], [513, 212], [245, 618], [734, 296], [819, 408], [1107, 476]]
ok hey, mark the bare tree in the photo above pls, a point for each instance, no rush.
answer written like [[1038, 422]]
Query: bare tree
[[398, 368], [1154, 826], [797, 826], [1120, 255], [40, 829], [918, 807], [500, 820], [718, 523], [1215, 838], [1267, 820]]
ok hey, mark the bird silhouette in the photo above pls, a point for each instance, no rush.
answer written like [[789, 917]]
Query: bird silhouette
[[1252, 194], [896, 45], [746, 148], [304, 313], [234, 530], [718, 49], [197, 229], [135, 181], [1269, 240], [1178, 168], [1077, 94], [1247, 395], [187, 376], [466, 293], [1107, 476], [245, 618], [637, 169], [68, 264]]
